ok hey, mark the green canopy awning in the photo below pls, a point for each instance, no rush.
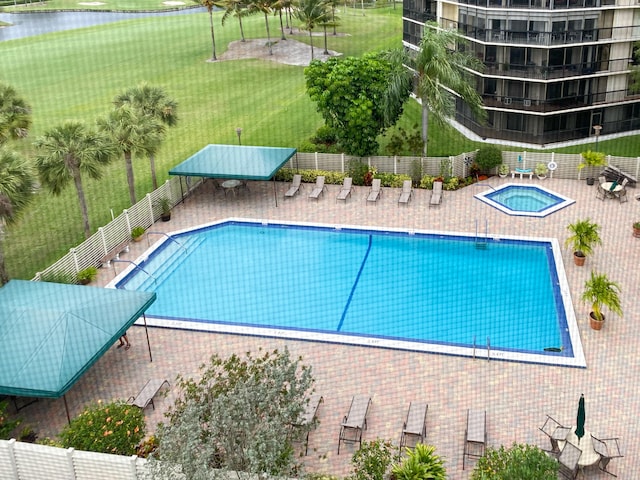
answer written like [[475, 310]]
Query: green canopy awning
[[51, 333]]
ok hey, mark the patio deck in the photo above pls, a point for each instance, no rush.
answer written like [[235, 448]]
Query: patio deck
[[516, 396]]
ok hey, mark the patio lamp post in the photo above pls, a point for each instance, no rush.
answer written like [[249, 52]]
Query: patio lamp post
[[239, 133], [596, 130]]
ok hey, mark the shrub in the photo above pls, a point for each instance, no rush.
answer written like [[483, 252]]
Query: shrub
[[325, 135], [372, 460], [421, 462], [115, 428], [87, 275], [521, 461], [6, 425], [427, 182], [416, 172], [137, 232], [452, 183], [488, 157], [357, 171], [391, 179]]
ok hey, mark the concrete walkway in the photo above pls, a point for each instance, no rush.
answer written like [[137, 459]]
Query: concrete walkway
[[516, 396]]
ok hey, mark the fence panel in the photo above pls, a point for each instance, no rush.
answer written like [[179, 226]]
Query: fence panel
[[32, 460]]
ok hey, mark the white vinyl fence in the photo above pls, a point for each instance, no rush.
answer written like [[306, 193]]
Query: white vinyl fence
[[115, 236]]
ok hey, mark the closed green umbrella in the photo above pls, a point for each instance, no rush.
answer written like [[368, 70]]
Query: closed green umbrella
[[580, 419]]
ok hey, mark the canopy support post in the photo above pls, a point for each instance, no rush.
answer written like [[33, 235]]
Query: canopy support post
[[66, 407], [146, 331], [275, 192]]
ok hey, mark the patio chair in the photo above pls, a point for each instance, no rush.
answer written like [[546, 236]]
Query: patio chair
[[436, 195], [318, 189], [345, 191], [475, 435], [375, 192], [414, 428], [406, 194], [309, 415], [355, 421], [556, 433], [568, 461], [607, 448], [622, 194], [296, 185]]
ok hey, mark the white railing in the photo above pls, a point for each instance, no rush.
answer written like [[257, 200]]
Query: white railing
[[29, 461]]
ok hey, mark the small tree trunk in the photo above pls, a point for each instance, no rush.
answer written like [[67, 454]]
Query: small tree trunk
[[281, 26], [130, 179], [213, 36], [311, 42], [241, 29], [266, 21], [425, 127], [4, 278], [326, 51], [82, 201]]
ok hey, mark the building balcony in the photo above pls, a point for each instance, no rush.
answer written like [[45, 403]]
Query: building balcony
[[538, 4]]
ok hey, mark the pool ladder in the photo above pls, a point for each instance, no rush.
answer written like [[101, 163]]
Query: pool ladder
[[488, 348], [481, 242]]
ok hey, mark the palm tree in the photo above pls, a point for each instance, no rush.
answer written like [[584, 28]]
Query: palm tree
[[333, 4], [442, 73], [210, 5], [152, 101], [17, 182], [15, 114], [238, 9], [312, 13], [420, 463], [68, 151], [132, 133], [584, 235], [265, 7], [279, 6]]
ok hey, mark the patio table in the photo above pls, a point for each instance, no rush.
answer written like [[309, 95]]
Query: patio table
[[589, 455], [231, 186], [609, 190]]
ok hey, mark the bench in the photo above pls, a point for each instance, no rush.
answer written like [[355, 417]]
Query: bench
[[114, 253], [145, 396], [521, 173]]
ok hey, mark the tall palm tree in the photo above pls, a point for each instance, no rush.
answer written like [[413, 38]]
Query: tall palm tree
[[333, 4], [312, 13], [68, 151], [238, 9], [15, 114], [210, 5], [133, 134], [442, 74], [265, 7], [17, 182], [152, 101]]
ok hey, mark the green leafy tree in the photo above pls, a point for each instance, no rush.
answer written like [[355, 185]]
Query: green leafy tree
[[372, 460], [7, 425], [488, 157], [420, 463], [15, 114], [210, 5], [237, 418], [115, 428], [441, 70], [238, 9], [349, 95], [68, 151], [132, 133], [265, 7], [17, 182], [521, 461], [154, 102], [312, 13]]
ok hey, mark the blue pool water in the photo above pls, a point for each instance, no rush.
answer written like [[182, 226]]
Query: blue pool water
[[386, 288], [525, 200]]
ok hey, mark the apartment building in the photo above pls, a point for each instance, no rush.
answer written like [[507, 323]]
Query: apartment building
[[554, 69]]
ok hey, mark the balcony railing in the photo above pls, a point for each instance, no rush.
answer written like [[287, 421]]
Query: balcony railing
[[534, 38], [539, 4], [551, 72]]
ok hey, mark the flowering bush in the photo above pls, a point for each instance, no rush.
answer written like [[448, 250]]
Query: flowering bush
[[115, 428], [6, 425], [521, 461]]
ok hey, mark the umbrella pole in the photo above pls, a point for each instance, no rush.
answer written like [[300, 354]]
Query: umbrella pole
[[66, 407], [146, 331]]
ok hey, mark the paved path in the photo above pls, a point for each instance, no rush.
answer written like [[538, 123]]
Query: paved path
[[516, 396]]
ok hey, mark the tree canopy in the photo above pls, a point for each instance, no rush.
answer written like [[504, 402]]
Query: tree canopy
[[352, 95], [15, 114]]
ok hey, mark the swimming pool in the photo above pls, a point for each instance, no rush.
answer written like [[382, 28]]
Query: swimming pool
[[525, 200], [414, 290]]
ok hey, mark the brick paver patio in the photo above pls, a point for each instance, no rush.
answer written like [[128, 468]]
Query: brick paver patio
[[516, 396]]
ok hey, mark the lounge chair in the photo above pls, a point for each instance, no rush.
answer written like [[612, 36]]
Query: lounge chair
[[145, 396], [436, 194], [309, 416], [318, 189], [568, 461], [296, 185], [406, 194], [475, 435], [345, 191], [355, 421], [415, 426], [556, 433], [375, 192], [607, 448]]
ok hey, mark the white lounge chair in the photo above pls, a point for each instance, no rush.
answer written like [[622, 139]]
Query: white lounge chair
[[375, 192], [406, 194], [475, 436], [415, 426], [345, 191], [355, 422], [296, 185], [318, 189], [436, 195]]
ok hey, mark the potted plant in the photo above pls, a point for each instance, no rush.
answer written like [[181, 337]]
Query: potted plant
[[599, 291], [541, 171], [591, 159], [137, 233], [636, 229], [585, 235], [165, 207], [503, 170], [87, 275]]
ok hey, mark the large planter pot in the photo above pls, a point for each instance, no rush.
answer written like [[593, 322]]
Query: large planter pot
[[591, 180], [636, 232], [579, 258], [165, 217], [595, 324]]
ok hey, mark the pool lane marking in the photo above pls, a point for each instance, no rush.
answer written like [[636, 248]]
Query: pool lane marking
[[355, 284]]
